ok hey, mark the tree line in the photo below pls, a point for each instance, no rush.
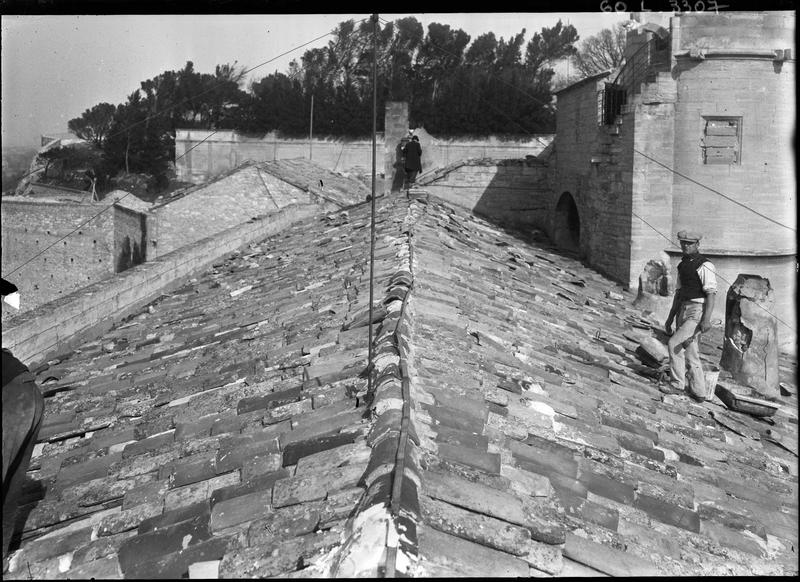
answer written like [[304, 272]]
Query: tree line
[[453, 87]]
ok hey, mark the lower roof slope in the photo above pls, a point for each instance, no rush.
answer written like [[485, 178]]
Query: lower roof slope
[[227, 431]]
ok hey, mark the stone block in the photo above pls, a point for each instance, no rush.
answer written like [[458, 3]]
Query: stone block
[[527, 483], [325, 460], [607, 559], [152, 546], [607, 487], [129, 519], [750, 347], [175, 565], [339, 505], [106, 568], [294, 451], [198, 510], [302, 488], [475, 527], [478, 459], [257, 484], [150, 492], [544, 461], [474, 496], [196, 470], [240, 509], [446, 555], [731, 538], [148, 444], [40, 550], [269, 401], [544, 557], [308, 426], [275, 559], [668, 513], [284, 523]]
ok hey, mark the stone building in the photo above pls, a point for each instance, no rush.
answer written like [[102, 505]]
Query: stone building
[[56, 241], [695, 131], [54, 246]]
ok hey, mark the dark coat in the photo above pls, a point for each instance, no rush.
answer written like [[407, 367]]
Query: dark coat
[[413, 153]]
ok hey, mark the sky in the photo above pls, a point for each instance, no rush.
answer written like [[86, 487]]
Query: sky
[[54, 67]]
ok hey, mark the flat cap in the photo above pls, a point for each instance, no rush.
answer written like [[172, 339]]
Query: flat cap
[[689, 235]]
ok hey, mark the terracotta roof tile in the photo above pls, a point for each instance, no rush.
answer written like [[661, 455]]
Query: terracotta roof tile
[[227, 429]]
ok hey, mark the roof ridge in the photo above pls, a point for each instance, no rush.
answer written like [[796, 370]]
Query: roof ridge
[[392, 477]]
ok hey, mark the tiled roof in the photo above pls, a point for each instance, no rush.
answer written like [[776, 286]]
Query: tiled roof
[[299, 172], [227, 431]]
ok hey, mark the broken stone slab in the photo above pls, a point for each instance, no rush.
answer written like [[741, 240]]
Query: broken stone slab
[[475, 527], [445, 555], [607, 559], [654, 289], [750, 347], [653, 351]]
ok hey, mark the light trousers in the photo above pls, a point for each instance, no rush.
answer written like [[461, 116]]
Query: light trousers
[[684, 351]]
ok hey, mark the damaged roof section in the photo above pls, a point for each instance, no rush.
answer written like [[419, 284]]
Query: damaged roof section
[[546, 447], [222, 431], [511, 429]]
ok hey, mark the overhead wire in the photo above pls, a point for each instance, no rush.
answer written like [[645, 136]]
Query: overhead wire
[[152, 116], [675, 172], [685, 177], [212, 88], [81, 225], [525, 93], [716, 274]]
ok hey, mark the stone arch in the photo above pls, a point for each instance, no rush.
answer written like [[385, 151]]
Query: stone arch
[[567, 224]]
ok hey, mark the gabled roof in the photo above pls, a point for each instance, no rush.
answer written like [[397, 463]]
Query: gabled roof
[[299, 173], [592, 78], [227, 430]]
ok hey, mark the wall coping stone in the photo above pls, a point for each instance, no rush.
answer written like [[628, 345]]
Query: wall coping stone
[[57, 326]]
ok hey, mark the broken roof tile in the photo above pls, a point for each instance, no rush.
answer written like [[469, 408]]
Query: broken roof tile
[[234, 410]]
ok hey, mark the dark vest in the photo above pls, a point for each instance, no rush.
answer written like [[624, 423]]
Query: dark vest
[[691, 285]]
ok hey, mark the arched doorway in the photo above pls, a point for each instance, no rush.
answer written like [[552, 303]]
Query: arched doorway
[[567, 224]]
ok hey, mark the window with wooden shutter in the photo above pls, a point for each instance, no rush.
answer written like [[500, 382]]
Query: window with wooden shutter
[[722, 143]]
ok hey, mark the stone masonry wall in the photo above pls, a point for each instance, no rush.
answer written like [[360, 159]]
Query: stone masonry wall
[[130, 244], [82, 258], [511, 192], [763, 98], [396, 128], [199, 162], [54, 328], [654, 136], [736, 74], [594, 165]]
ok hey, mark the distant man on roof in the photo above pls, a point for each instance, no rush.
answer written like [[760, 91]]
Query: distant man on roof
[[693, 304], [23, 407], [413, 160]]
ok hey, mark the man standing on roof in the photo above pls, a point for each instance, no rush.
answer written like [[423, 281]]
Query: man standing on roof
[[23, 408], [693, 304], [413, 160]]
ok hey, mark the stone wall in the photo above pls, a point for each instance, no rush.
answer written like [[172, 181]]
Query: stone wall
[[396, 124], [60, 325], [85, 256], [739, 71], [653, 123], [513, 193], [130, 238], [594, 166], [201, 156], [762, 97]]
